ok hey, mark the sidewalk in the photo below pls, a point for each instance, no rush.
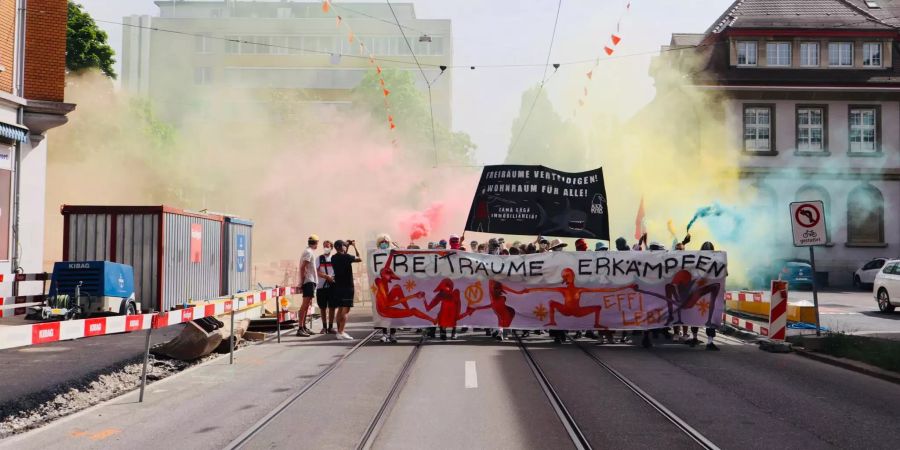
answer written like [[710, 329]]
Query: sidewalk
[[213, 403]]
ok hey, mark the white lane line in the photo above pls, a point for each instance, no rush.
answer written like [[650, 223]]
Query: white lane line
[[471, 375]]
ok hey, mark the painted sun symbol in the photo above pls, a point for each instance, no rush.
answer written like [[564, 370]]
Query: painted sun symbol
[[410, 285], [704, 306], [540, 312]]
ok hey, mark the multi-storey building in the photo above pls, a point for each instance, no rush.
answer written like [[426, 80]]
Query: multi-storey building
[[809, 92], [256, 46], [32, 85]]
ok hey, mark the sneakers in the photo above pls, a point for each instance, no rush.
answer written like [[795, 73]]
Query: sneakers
[[712, 346], [392, 339], [339, 337], [384, 339], [346, 336], [693, 342], [302, 333]]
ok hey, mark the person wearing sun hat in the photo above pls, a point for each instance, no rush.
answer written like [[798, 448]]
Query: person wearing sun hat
[[557, 245], [309, 279]]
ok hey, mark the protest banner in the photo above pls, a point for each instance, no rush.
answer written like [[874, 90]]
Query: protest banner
[[535, 200], [555, 290]]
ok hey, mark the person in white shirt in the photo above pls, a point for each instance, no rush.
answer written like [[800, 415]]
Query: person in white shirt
[[325, 288], [309, 278]]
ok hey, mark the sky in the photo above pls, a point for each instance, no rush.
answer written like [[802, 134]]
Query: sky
[[497, 32]]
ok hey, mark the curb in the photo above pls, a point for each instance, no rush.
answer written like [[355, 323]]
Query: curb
[[848, 364]]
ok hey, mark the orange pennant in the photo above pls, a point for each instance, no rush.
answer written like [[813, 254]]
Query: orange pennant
[[608, 50], [378, 69], [390, 118], [350, 37], [381, 80], [387, 92], [326, 5], [590, 75], [616, 40], [393, 126], [338, 22]]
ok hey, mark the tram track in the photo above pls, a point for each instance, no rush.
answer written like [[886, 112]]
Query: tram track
[[569, 420], [371, 432]]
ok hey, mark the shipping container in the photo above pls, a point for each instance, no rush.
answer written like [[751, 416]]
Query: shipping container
[[177, 255], [238, 257]]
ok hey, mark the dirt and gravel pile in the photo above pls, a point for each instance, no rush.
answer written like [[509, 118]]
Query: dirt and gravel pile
[[45, 406]]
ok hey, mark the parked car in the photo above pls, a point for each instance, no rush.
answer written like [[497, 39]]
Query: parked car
[[797, 272], [865, 275], [887, 286]]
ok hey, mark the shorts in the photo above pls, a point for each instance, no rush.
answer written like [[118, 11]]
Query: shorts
[[323, 298], [309, 290], [342, 298]]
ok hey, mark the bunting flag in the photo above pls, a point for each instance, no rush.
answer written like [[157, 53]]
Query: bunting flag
[[614, 39], [363, 51]]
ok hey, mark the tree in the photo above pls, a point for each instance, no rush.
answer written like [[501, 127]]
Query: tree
[[541, 136], [412, 115], [86, 46]]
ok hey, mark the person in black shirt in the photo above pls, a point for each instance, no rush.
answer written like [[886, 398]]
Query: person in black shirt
[[342, 293]]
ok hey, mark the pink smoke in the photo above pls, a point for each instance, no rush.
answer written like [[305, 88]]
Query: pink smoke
[[420, 224]]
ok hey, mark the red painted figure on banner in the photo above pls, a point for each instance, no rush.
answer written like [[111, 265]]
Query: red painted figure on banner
[[684, 292], [571, 305], [505, 313], [448, 298], [387, 299]]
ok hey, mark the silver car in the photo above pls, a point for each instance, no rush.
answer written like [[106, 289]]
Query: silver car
[[887, 286]]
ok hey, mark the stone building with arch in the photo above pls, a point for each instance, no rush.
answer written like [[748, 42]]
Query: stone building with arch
[[810, 101]]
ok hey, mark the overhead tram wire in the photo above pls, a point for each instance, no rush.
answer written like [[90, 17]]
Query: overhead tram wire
[[424, 77], [345, 8], [543, 80]]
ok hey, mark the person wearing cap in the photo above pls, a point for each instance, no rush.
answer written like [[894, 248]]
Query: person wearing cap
[[543, 245], [383, 242], [342, 263], [309, 279], [600, 247], [557, 245], [324, 288], [622, 245], [455, 242]]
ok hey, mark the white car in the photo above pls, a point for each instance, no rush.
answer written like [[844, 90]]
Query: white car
[[865, 275], [887, 286]]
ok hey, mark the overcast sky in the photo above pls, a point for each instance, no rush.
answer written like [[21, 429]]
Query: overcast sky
[[486, 101]]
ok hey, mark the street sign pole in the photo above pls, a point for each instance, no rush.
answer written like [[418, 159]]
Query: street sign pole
[[815, 286]]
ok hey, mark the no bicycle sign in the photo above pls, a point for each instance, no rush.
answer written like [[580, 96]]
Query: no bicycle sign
[[808, 223]]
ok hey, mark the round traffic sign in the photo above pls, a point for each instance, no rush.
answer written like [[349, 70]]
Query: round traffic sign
[[807, 215]]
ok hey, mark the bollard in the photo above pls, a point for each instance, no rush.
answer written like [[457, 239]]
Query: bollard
[[231, 349], [277, 314], [146, 362]]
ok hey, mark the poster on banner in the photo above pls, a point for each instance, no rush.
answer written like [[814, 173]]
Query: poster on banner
[[535, 200], [556, 290]]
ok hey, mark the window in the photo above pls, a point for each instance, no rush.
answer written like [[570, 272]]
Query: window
[[203, 75], [810, 128], [758, 128], [864, 130], [778, 54], [874, 264], [811, 192], [840, 54], [202, 43], [809, 54], [872, 54], [746, 53], [865, 216]]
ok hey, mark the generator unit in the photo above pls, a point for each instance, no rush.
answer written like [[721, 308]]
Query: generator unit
[[88, 288]]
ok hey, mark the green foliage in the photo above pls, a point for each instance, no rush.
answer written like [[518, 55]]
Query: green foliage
[[86, 46], [412, 115], [881, 353], [545, 138]]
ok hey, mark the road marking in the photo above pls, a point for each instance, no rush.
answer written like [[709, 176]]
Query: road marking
[[471, 375]]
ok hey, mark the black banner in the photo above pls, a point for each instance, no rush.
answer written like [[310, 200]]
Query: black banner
[[535, 200]]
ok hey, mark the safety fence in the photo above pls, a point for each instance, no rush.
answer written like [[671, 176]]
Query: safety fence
[[772, 306], [45, 332], [16, 305]]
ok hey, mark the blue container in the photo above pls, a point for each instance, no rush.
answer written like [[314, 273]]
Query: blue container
[[98, 279]]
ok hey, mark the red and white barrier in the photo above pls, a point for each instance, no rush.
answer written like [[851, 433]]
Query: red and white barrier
[[746, 296], [778, 303], [744, 324], [8, 306], [41, 333]]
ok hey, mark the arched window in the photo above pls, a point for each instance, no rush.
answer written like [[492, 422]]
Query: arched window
[[865, 215], [816, 192]]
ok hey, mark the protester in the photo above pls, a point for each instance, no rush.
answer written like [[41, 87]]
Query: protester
[[710, 331], [557, 245], [482, 248], [493, 246], [679, 246], [455, 242], [325, 287], [383, 242], [622, 245], [442, 244], [543, 245], [309, 279], [473, 245], [342, 263], [581, 245], [431, 246], [514, 250], [600, 247]]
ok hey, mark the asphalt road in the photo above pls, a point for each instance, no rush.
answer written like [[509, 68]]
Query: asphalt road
[[479, 393], [851, 312]]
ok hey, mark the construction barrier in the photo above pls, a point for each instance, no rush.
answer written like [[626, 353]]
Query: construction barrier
[[757, 304], [744, 324], [42, 333], [772, 308], [778, 303], [16, 299]]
